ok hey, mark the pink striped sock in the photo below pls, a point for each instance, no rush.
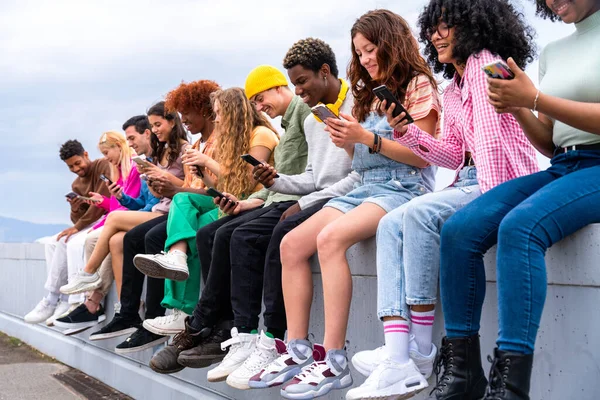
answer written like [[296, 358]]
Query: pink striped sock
[[422, 329], [396, 340]]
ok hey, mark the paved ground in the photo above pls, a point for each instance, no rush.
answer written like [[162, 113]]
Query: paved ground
[[27, 375]]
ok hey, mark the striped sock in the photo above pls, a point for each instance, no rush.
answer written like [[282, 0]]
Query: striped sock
[[422, 329], [396, 340]]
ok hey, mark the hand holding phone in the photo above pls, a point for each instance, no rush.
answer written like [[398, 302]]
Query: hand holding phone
[[265, 174], [383, 93], [71, 195], [254, 162], [106, 180], [498, 70], [322, 112], [214, 193], [142, 162]]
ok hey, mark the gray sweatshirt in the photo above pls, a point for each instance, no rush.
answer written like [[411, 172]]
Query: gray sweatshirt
[[328, 173]]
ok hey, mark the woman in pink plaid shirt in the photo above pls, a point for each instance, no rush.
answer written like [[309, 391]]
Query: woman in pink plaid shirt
[[485, 148], [526, 216]]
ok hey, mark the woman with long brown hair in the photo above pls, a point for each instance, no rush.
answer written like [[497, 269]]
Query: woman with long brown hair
[[384, 52]]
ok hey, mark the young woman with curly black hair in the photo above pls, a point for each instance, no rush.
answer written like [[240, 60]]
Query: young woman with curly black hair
[[485, 148], [528, 215]]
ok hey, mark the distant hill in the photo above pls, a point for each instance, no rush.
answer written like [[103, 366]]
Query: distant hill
[[17, 231]]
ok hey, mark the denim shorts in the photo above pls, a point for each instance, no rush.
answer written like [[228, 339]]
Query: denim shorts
[[387, 195]]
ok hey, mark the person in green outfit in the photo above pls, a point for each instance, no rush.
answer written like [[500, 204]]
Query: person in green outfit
[[240, 129]]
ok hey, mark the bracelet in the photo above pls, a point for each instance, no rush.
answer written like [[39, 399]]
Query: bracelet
[[535, 101], [373, 149]]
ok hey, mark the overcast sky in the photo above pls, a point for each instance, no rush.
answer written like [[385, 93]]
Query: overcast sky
[[74, 69]]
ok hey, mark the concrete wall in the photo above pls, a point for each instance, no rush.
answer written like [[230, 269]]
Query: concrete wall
[[567, 359]]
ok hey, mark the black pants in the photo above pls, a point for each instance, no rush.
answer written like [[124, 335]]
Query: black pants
[[146, 238], [245, 253]]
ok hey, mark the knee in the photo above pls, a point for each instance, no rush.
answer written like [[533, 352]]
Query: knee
[[116, 243], [290, 250], [518, 228], [454, 231], [330, 241], [390, 224]]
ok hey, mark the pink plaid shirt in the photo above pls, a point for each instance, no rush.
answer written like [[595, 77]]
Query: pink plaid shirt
[[497, 143]]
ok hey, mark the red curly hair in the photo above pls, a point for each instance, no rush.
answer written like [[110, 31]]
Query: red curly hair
[[192, 97]]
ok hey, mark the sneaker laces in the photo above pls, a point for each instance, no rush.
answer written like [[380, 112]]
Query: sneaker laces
[[261, 353], [310, 370], [443, 360], [498, 374], [183, 340]]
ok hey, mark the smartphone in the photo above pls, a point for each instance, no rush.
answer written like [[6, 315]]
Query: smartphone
[[321, 111], [140, 161], [89, 198], [215, 193], [253, 161], [105, 179], [71, 195], [498, 70], [383, 93]]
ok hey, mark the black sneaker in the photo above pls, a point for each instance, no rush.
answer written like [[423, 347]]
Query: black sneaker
[[117, 327], [141, 339], [206, 352], [81, 318]]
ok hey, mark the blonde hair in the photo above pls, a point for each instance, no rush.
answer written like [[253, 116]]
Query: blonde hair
[[112, 139], [238, 119]]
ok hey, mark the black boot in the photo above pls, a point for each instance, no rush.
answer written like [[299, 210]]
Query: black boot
[[510, 376], [463, 377]]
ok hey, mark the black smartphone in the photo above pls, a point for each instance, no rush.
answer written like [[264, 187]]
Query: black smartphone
[[383, 93], [105, 179], [253, 161], [212, 192], [321, 111], [71, 195]]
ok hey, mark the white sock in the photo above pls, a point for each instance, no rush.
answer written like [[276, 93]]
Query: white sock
[[422, 329], [52, 298], [179, 253], [82, 272], [396, 340]]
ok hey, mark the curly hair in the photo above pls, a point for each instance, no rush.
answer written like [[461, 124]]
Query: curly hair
[[398, 59], [177, 135], [494, 25], [193, 96], [139, 122], [311, 54], [238, 119], [70, 149], [112, 139], [544, 11]]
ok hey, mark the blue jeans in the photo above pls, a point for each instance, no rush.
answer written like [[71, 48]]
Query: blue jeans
[[525, 216], [415, 255]]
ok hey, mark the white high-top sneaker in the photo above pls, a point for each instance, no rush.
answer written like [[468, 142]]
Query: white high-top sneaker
[[266, 351], [168, 325], [241, 345], [41, 312]]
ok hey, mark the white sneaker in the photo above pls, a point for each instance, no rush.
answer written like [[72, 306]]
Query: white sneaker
[[390, 380], [266, 351], [241, 345], [62, 309], [171, 265], [366, 361], [168, 325], [41, 312], [81, 283]]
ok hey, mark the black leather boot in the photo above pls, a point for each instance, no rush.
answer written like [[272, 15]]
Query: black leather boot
[[462, 377], [510, 376]]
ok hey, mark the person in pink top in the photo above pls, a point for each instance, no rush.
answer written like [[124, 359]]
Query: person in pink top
[[483, 147]]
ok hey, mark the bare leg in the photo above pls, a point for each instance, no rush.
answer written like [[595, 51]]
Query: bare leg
[[332, 243], [181, 246], [296, 249], [116, 252], [115, 222]]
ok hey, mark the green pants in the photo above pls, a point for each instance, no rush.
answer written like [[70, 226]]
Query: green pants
[[188, 213]]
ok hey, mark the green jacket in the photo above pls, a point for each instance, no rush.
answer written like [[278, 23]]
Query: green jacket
[[292, 152]]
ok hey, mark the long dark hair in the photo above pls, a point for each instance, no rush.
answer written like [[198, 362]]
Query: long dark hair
[[177, 134], [493, 25], [398, 59]]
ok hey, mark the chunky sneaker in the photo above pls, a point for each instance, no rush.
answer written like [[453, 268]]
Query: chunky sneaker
[[63, 308], [165, 361], [390, 380], [167, 325], [366, 361], [320, 377], [81, 282], [41, 312], [80, 318], [172, 265], [266, 351], [299, 354], [140, 340], [241, 345], [207, 352], [119, 326]]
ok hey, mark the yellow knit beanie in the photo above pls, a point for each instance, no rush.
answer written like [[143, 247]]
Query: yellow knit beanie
[[263, 77]]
